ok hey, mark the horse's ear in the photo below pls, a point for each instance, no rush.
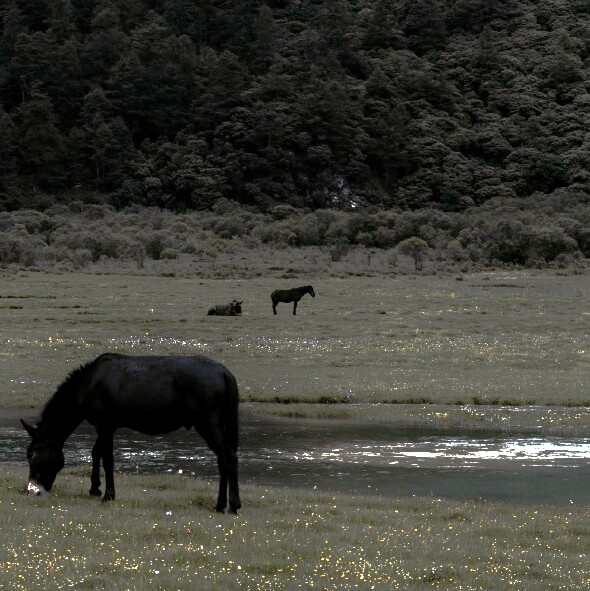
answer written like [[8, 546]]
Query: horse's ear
[[32, 431]]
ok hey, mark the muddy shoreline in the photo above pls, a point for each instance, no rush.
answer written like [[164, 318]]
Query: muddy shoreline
[[542, 420]]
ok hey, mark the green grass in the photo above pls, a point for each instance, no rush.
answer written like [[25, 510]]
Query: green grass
[[548, 420], [162, 534], [492, 338]]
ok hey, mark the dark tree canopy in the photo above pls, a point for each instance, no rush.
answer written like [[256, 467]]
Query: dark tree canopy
[[315, 103]]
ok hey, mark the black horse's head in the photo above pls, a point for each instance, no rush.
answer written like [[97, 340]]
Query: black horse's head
[[237, 307], [46, 459], [310, 291]]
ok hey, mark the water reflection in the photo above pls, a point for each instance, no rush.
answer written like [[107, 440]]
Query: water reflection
[[357, 458], [462, 452]]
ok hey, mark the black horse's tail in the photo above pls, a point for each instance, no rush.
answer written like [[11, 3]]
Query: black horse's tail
[[230, 412]]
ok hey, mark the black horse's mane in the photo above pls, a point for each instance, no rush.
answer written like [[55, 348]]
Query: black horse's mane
[[62, 403]]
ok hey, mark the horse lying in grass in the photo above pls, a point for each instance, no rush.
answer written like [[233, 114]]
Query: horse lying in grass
[[232, 309], [290, 295], [153, 395]]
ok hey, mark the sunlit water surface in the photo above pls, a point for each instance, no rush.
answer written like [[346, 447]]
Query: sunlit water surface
[[356, 458]]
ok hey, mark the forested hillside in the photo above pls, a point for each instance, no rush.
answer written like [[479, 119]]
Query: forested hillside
[[314, 103], [461, 126]]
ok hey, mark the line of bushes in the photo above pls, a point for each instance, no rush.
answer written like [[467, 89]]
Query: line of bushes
[[537, 231]]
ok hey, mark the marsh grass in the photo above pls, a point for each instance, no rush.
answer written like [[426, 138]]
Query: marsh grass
[[161, 533], [489, 339], [548, 420]]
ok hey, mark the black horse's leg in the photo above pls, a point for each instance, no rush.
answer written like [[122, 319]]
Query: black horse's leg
[[295, 307], [228, 472], [274, 307], [234, 490], [105, 443], [95, 476], [222, 495], [227, 460]]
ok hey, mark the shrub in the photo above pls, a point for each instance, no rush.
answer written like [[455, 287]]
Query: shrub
[[235, 224], [307, 230], [18, 247], [339, 249], [94, 211], [277, 233], [190, 246], [10, 245], [130, 192], [504, 243], [156, 243], [97, 237], [414, 247], [546, 243], [583, 238], [80, 257], [338, 229], [283, 211], [169, 253], [455, 251], [34, 222], [384, 237]]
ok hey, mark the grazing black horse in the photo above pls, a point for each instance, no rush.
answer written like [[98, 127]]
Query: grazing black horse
[[152, 395], [234, 308], [290, 295]]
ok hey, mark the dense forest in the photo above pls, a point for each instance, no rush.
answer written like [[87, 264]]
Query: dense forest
[[445, 106]]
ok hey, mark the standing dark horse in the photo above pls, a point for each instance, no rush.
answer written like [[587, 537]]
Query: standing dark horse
[[290, 295], [152, 395]]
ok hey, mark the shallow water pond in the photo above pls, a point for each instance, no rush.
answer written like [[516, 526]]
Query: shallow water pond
[[356, 458]]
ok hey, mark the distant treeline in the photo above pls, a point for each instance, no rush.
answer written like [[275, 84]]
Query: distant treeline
[[529, 231], [409, 104]]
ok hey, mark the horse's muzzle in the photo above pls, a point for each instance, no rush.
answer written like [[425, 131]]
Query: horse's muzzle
[[36, 489]]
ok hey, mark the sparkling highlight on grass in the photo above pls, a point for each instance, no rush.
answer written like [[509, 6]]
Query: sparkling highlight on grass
[[162, 535], [492, 338]]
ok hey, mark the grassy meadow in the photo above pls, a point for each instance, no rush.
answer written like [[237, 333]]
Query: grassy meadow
[[443, 346], [488, 338], [162, 534]]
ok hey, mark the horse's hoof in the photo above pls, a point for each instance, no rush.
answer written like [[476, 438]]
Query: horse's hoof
[[108, 496], [95, 492]]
